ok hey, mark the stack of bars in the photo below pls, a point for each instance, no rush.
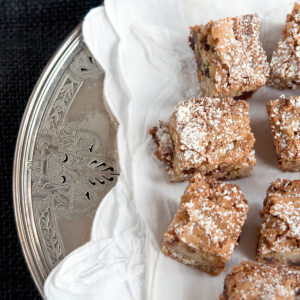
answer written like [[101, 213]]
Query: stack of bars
[[210, 138]]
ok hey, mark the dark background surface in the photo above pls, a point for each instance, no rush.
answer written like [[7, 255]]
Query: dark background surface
[[30, 32]]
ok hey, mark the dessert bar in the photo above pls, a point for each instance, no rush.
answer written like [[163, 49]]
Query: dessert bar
[[211, 136], [230, 59], [284, 119], [279, 239], [207, 225], [249, 281], [285, 62]]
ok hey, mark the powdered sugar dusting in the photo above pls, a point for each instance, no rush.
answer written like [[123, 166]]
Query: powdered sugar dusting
[[284, 117], [285, 63], [215, 213], [161, 136], [280, 231], [261, 281], [290, 213], [229, 56], [209, 132]]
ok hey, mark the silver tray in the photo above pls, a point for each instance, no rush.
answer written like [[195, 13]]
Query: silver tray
[[66, 158]]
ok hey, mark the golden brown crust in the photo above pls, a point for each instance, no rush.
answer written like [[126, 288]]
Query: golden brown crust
[[284, 119], [230, 59], [285, 62], [279, 239], [261, 281], [208, 224]]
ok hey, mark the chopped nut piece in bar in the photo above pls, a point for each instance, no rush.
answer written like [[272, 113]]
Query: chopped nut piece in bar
[[258, 281], [207, 224], [284, 119], [279, 239], [285, 62], [230, 59]]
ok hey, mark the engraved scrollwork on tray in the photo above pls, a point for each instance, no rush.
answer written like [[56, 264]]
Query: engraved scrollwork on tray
[[84, 67], [69, 174], [63, 101], [71, 170], [50, 236]]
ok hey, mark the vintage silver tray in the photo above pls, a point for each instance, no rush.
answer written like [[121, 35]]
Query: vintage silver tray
[[66, 158]]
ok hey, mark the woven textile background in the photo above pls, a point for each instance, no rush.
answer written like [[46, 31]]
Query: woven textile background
[[30, 32]]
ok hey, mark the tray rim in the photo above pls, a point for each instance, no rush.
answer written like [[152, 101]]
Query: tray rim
[[23, 211]]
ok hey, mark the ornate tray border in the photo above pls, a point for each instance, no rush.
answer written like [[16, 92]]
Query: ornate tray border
[[61, 170]]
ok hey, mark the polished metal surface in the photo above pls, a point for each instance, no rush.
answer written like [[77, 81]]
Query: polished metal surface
[[66, 158]]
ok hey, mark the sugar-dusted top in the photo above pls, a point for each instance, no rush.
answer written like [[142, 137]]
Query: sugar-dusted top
[[210, 216], [285, 62], [238, 54], [212, 131], [284, 116], [281, 213], [240, 51], [261, 281]]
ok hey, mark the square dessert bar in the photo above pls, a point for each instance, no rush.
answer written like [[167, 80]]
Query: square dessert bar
[[279, 239], [207, 224], [212, 136], [284, 119], [285, 62], [250, 281], [230, 59]]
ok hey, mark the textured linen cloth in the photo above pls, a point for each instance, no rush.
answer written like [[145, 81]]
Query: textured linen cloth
[[143, 48]]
